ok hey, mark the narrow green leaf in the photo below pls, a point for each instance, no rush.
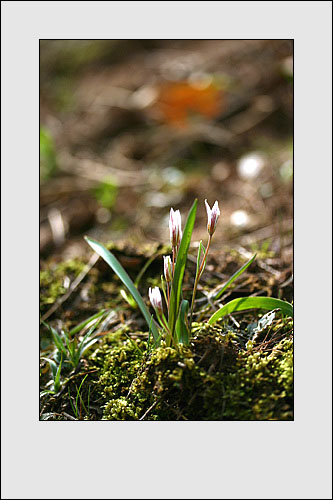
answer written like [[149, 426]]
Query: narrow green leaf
[[148, 344], [180, 267], [163, 289], [201, 251], [234, 276], [71, 349], [122, 274], [57, 384], [89, 333], [87, 341], [244, 303], [129, 299], [78, 396], [57, 339], [85, 347], [86, 322], [182, 328], [43, 393]]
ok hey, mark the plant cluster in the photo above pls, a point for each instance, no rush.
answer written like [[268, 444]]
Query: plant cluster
[[173, 323], [69, 348]]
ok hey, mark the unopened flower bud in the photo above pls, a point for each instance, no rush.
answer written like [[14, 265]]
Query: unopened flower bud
[[175, 227], [156, 299], [212, 215], [167, 269]]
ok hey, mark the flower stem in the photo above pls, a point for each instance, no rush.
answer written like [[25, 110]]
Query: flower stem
[[173, 260], [197, 277]]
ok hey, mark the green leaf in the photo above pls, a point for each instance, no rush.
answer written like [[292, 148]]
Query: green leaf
[[79, 396], [85, 346], [57, 384], [163, 289], [90, 332], [86, 322], [201, 251], [129, 299], [71, 349], [122, 274], [180, 267], [244, 303], [43, 393], [234, 276], [148, 343], [57, 339], [182, 328]]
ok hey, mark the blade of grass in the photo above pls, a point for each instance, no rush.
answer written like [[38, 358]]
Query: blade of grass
[[57, 339], [182, 329], [86, 346], [90, 332], [88, 404], [122, 274], [244, 303], [201, 251], [86, 342], [78, 395], [233, 277], [133, 343], [84, 323], [129, 299], [57, 378], [180, 267], [149, 332], [163, 289], [72, 351]]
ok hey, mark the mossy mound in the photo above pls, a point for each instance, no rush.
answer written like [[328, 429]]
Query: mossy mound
[[212, 379]]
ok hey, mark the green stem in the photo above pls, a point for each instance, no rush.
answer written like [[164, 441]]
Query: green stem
[[197, 277], [173, 260], [168, 291]]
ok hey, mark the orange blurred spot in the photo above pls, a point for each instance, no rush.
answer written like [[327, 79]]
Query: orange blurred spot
[[178, 101]]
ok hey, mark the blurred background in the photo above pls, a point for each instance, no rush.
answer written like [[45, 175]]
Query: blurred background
[[130, 128]]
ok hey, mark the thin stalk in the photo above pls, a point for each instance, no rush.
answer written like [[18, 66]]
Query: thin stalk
[[167, 330], [173, 260], [197, 277], [163, 322]]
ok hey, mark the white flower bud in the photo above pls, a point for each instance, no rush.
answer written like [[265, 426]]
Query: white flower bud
[[156, 299], [167, 268], [212, 214], [175, 227]]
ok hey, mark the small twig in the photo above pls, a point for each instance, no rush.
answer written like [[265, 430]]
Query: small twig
[[68, 416], [150, 408]]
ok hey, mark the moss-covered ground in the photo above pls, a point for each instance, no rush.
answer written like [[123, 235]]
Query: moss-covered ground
[[221, 375]]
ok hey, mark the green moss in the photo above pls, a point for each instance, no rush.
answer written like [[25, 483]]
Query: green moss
[[52, 280], [261, 388], [209, 380]]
